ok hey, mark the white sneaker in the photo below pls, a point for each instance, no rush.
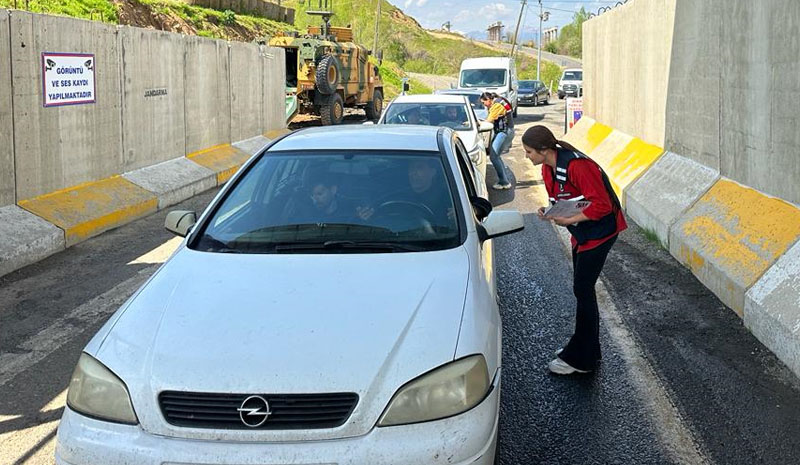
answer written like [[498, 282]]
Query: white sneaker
[[560, 367], [501, 187]]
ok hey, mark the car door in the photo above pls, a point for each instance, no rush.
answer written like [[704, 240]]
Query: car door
[[477, 189]]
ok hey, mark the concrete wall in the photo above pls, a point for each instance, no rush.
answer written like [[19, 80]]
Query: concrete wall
[[7, 194], [626, 61], [216, 93], [247, 96], [715, 81], [57, 147], [264, 8], [153, 127], [207, 93]]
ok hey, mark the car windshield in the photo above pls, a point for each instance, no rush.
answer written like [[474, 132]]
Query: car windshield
[[483, 78], [336, 203], [573, 76], [451, 115], [528, 85]]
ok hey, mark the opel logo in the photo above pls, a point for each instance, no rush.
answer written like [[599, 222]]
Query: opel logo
[[254, 411]]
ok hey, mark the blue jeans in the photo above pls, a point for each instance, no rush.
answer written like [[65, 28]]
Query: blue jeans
[[501, 142]]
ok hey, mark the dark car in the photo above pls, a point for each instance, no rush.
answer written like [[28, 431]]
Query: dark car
[[533, 93]]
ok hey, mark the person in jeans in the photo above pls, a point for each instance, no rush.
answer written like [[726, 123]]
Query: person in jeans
[[500, 117], [570, 175]]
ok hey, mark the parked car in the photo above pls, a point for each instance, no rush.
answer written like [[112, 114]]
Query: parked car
[[284, 330], [533, 93], [432, 110], [571, 83], [491, 74]]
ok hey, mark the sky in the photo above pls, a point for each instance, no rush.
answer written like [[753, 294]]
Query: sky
[[468, 16]]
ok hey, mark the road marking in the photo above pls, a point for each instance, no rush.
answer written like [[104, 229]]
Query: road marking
[[160, 254], [65, 328]]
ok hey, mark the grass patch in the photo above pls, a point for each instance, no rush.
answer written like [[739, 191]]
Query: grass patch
[[651, 236], [86, 9], [393, 75]]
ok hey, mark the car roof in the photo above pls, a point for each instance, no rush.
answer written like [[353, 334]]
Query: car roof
[[429, 98], [355, 137], [458, 92], [479, 63], [573, 69]]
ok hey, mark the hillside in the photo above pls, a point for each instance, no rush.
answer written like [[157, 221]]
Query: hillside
[[408, 44]]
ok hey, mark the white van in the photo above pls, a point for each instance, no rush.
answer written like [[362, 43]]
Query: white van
[[571, 83], [492, 74]]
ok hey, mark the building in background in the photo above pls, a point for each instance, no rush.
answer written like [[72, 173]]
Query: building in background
[[496, 32], [549, 35]]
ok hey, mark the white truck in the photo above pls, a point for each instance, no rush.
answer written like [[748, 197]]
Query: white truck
[[491, 74]]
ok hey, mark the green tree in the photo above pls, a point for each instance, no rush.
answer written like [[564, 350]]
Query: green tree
[[570, 41]]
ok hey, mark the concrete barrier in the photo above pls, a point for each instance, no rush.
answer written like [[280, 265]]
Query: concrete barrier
[[58, 147], [223, 160], [731, 236], [274, 106], [173, 181], [665, 191], [772, 309], [247, 97], [26, 238], [207, 92], [153, 118], [587, 134], [89, 209], [7, 182]]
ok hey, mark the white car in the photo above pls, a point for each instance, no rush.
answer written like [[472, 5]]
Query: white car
[[334, 304], [451, 111]]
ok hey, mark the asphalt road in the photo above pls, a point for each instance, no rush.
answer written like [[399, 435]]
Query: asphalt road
[[681, 380], [561, 60]]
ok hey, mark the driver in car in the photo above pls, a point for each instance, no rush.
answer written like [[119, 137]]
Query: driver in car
[[427, 189]]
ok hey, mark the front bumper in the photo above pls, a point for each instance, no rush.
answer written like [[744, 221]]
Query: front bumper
[[469, 438]]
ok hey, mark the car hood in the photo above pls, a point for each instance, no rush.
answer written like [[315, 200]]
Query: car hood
[[269, 324]]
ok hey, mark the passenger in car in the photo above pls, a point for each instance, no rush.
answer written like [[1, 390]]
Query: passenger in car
[[326, 205]]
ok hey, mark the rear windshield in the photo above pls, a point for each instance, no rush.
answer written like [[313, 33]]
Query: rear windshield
[[573, 76], [483, 78], [474, 99], [336, 203], [451, 115]]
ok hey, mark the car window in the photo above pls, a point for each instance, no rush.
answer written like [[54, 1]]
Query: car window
[[483, 78], [451, 115], [336, 202], [466, 169]]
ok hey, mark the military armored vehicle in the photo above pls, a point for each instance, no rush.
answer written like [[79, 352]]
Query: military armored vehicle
[[326, 72]]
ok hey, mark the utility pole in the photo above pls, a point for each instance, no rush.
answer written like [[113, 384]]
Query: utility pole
[[377, 23], [543, 16], [519, 20]]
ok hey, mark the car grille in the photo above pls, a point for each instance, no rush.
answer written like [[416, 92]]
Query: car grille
[[570, 88], [294, 411]]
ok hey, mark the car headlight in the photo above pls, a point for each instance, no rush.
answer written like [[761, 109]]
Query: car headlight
[[97, 392], [444, 392]]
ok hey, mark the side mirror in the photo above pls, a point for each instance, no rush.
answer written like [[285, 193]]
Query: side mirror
[[485, 126], [406, 86], [500, 223], [481, 206], [180, 222]]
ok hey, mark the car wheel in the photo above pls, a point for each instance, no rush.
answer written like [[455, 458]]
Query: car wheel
[[375, 107], [535, 101], [332, 112], [327, 76]]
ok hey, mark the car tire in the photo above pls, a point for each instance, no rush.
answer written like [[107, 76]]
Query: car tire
[[516, 112], [536, 100], [375, 107], [328, 74], [332, 112], [547, 100]]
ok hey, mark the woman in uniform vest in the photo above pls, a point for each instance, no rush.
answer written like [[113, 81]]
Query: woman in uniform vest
[[570, 175], [500, 115]]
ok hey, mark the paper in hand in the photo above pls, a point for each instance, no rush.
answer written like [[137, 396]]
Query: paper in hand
[[566, 208]]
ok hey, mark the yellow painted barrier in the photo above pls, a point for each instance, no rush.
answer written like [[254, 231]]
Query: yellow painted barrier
[[223, 159], [625, 159], [731, 236], [587, 134], [91, 208]]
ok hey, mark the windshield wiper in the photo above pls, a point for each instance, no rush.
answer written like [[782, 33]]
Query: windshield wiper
[[347, 245], [210, 244]]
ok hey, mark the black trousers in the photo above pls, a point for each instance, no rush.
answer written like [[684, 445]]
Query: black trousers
[[583, 350]]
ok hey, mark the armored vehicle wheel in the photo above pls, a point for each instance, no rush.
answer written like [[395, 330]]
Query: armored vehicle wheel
[[332, 112], [375, 107], [328, 74]]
